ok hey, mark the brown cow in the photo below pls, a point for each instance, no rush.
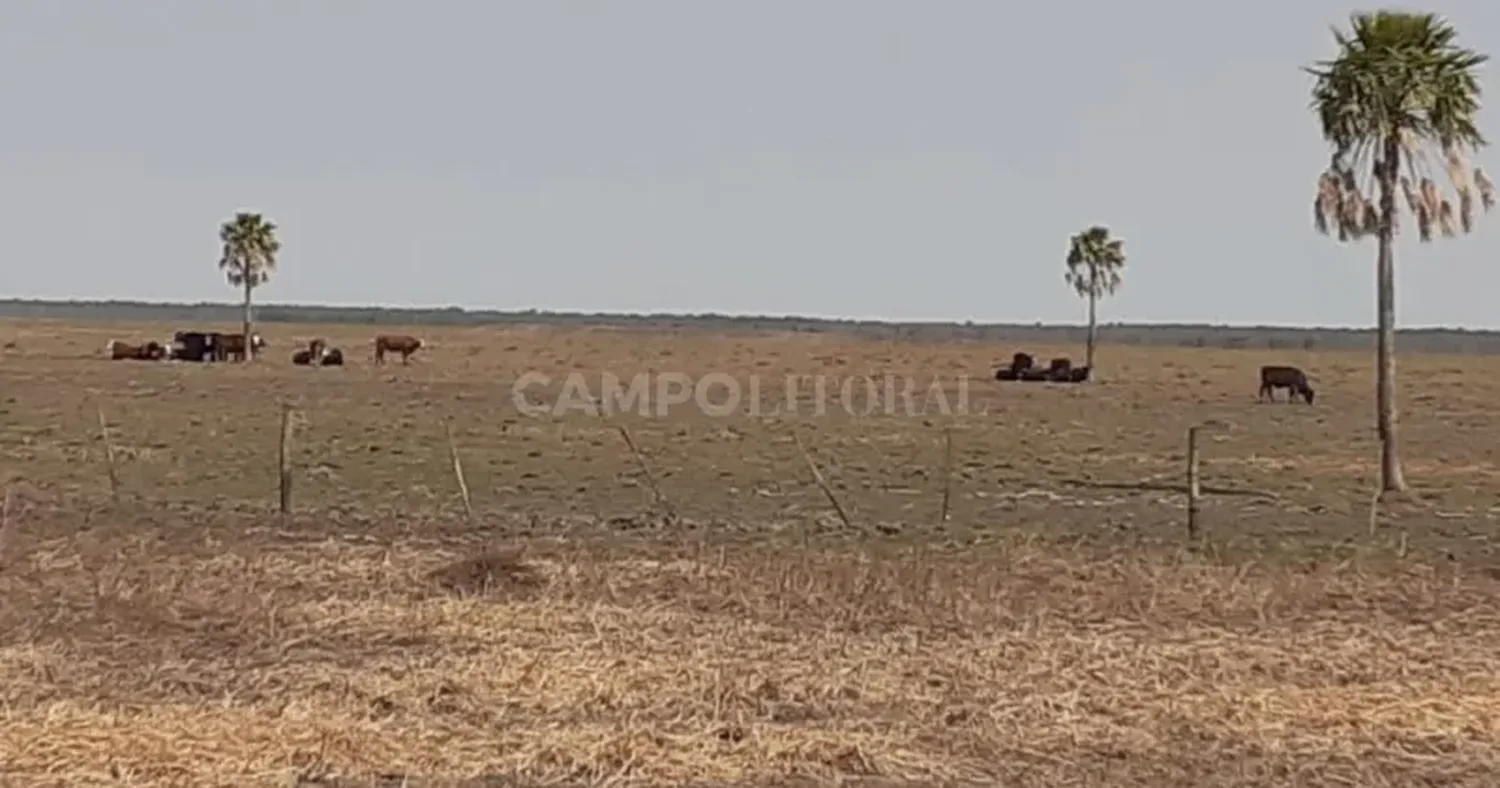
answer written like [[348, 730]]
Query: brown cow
[[151, 351], [1292, 379], [228, 346], [397, 343]]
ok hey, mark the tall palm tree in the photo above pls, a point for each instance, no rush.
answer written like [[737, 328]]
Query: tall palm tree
[[1397, 104], [248, 258], [1094, 263]]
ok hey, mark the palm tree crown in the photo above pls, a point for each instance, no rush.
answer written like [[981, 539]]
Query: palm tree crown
[[250, 248], [1094, 262], [1399, 94]]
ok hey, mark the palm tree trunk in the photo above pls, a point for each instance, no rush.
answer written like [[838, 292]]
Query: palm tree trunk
[[1391, 478], [1093, 323], [249, 351]]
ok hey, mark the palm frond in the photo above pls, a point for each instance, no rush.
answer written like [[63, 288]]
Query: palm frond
[[1486, 188], [1445, 219], [1094, 261], [249, 251], [1427, 115]]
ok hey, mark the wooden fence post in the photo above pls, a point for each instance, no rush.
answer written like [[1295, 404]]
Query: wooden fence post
[[640, 461], [284, 460], [822, 483], [947, 475], [458, 471], [109, 457], [1193, 488]]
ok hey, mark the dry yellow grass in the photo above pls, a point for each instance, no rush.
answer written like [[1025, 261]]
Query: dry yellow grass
[[1051, 634]]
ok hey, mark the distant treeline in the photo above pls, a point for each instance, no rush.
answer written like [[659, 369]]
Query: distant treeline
[[1435, 340]]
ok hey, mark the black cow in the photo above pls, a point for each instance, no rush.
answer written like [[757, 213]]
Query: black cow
[[1274, 377], [193, 346], [1062, 371], [312, 355], [1019, 364], [333, 358]]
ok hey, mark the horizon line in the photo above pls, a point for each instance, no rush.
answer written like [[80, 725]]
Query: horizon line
[[710, 315]]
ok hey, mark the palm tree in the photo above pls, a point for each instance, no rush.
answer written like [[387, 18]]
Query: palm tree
[[1094, 263], [248, 258], [1398, 103]]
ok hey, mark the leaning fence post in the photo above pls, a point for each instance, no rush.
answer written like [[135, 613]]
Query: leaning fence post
[[284, 459], [458, 471], [1193, 489]]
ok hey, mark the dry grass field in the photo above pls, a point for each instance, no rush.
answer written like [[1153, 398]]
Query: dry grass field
[[1058, 629]]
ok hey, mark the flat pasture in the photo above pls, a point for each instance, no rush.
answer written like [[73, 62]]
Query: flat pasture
[[701, 612]]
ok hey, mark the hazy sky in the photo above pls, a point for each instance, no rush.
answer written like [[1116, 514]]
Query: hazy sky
[[901, 159]]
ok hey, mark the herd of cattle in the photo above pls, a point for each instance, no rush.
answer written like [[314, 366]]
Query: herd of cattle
[[1023, 367], [218, 346], [207, 346]]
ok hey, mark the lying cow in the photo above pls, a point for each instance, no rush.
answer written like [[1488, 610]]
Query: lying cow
[[1274, 377], [333, 358], [1019, 364], [1063, 371], [396, 343], [151, 351], [312, 354]]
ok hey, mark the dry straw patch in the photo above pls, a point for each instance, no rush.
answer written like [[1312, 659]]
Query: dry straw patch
[[166, 660]]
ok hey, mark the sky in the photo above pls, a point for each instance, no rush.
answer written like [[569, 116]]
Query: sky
[[889, 159]]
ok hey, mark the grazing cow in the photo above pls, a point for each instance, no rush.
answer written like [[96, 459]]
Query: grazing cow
[[1292, 379], [228, 346], [151, 351], [397, 343], [312, 354], [333, 358]]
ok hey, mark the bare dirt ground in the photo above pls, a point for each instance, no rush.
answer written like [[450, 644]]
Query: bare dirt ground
[[1058, 629]]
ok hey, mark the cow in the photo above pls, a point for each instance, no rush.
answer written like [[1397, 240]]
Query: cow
[[151, 351], [398, 343], [1019, 363], [1292, 379], [333, 358], [1061, 370], [228, 346], [193, 346], [313, 354]]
